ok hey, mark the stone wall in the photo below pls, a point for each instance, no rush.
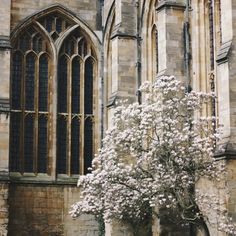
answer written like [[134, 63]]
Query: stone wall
[[107, 9], [5, 15], [4, 110], [87, 10], [36, 209], [3, 208]]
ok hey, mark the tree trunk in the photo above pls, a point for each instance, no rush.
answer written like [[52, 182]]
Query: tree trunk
[[202, 229], [143, 229]]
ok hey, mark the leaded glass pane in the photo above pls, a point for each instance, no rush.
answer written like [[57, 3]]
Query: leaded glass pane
[[16, 81], [88, 83], [31, 31], [42, 144], [75, 85], [43, 83], [28, 143], [75, 135], [61, 144], [25, 43], [49, 22], [80, 47], [15, 141], [62, 84], [37, 43], [69, 47], [85, 48], [29, 82], [88, 144], [59, 25]]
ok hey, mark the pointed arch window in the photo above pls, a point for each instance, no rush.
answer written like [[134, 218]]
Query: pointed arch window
[[75, 109], [29, 103], [155, 61], [151, 42], [52, 92]]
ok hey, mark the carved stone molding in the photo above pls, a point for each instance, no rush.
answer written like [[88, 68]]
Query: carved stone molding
[[4, 42]]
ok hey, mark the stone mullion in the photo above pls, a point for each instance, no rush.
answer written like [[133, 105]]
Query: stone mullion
[[48, 115], [82, 118], [95, 109], [23, 116], [69, 118], [53, 115], [36, 118]]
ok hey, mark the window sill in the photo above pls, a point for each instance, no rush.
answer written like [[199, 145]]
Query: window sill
[[31, 178]]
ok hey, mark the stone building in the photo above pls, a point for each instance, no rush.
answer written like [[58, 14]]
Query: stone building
[[63, 66]]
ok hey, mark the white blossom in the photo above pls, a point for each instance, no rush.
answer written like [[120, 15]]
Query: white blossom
[[151, 158]]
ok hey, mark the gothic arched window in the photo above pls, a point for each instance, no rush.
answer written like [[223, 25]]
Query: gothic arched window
[[52, 98], [155, 62], [29, 103], [75, 105]]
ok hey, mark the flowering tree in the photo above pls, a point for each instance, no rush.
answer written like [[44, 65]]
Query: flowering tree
[[151, 159]]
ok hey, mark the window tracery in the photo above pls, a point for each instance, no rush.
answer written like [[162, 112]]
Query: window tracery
[[33, 64], [55, 24], [76, 68]]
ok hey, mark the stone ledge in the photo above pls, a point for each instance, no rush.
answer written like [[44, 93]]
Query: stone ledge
[[122, 35], [4, 106], [225, 151], [4, 177], [223, 53], [5, 42], [16, 177], [41, 182], [112, 101], [170, 4]]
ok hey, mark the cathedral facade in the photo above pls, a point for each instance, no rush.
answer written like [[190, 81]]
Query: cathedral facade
[[63, 67]]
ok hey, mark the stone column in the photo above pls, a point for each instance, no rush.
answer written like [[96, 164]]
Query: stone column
[[170, 37], [123, 73], [124, 55], [171, 51], [124, 50], [4, 110], [226, 78]]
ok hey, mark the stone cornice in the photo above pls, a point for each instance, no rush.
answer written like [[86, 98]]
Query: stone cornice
[[118, 32], [170, 4]]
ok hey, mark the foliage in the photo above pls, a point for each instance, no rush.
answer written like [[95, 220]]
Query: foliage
[[152, 157]]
